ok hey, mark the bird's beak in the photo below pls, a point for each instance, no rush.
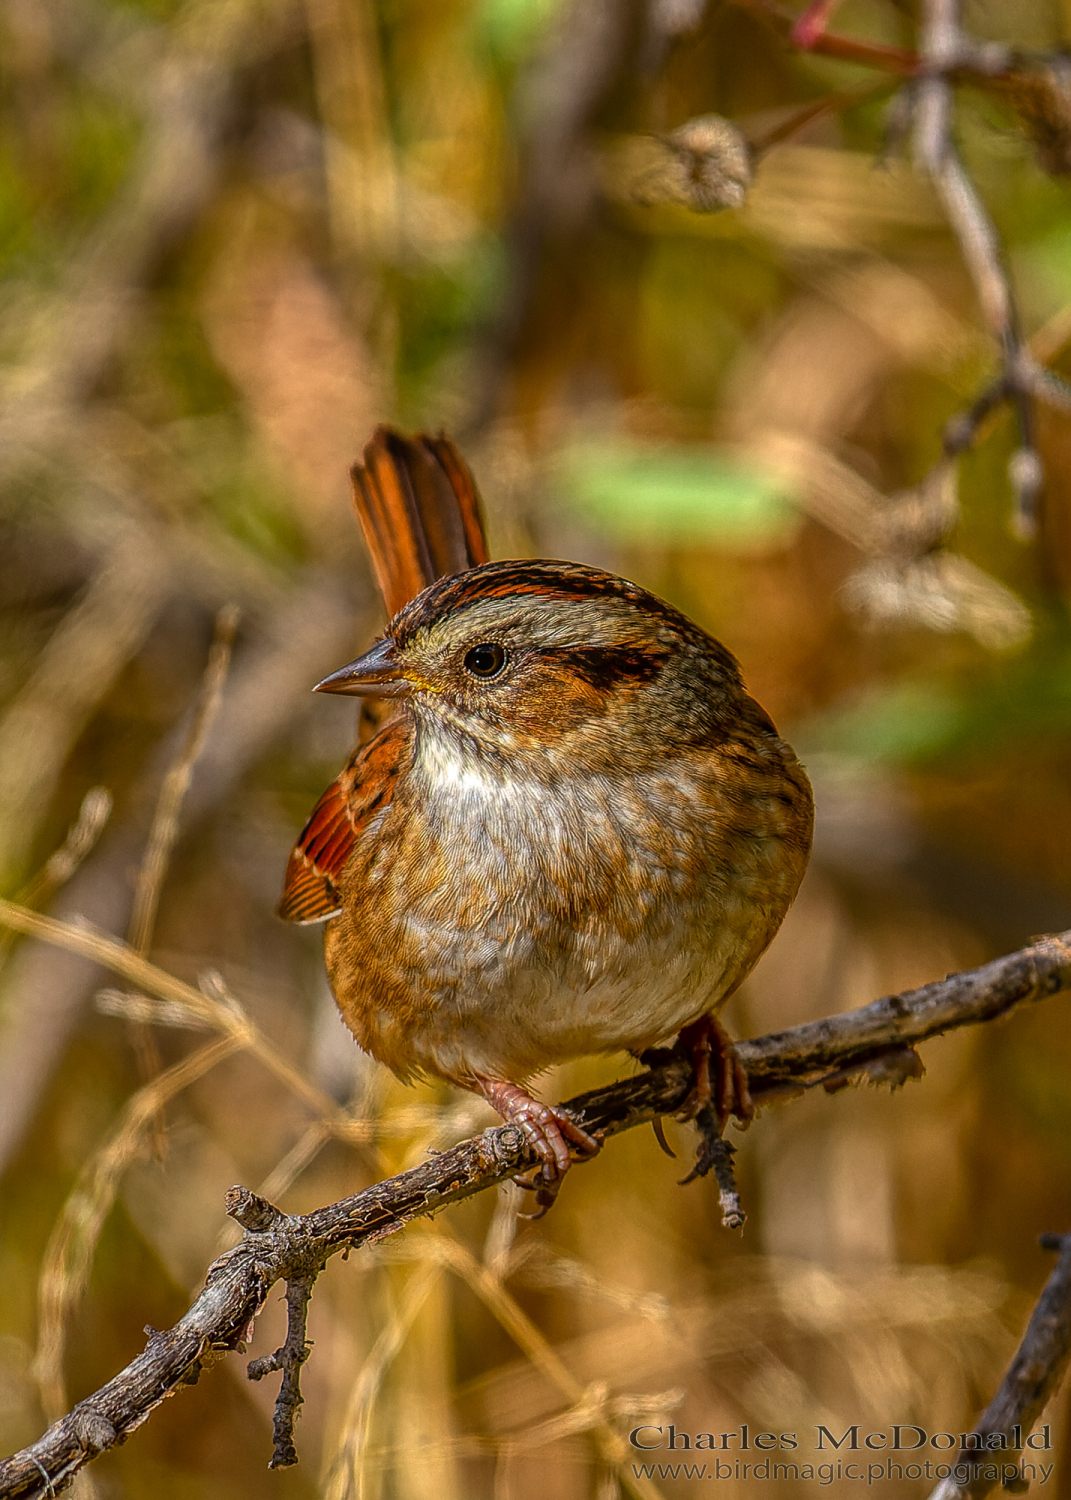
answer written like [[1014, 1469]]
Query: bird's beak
[[376, 674]]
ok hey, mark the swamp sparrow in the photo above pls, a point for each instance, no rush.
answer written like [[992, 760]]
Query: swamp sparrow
[[577, 833]]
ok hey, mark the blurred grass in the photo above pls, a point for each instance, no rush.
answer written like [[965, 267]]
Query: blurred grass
[[232, 239]]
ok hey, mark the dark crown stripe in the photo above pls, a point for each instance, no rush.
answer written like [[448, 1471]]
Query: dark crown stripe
[[518, 579]]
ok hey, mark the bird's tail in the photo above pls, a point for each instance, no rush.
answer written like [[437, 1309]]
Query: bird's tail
[[419, 510]]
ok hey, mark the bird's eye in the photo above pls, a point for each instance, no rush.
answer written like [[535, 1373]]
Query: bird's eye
[[486, 660]]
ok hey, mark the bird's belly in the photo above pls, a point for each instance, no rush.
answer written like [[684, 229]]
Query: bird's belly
[[509, 1000], [526, 1004], [501, 957]]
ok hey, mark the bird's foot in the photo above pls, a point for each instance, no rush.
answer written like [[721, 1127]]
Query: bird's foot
[[719, 1077], [554, 1136]]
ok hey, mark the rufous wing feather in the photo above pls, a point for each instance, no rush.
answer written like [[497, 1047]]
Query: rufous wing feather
[[310, 889], [420, 513], [364, 788]]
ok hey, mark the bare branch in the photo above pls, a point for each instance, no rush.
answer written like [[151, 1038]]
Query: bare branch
[[1031, 1378], [944, 47], [875, 1041], [1039, 90], [828, 1050], [257, 1216]]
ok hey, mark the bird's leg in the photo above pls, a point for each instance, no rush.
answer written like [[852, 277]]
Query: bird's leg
[[720, 1079], [551, 1133]]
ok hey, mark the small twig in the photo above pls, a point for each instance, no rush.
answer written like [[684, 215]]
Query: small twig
[[81, 839], [715, 1154], [1038, 89], [68, 1256], [944, 47], [257, 1216], [1032, 1377], [822, 1052], [288, 1358], [837, 102], [826, 44]]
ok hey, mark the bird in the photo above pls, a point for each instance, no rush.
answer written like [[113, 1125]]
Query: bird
[[568, 829]]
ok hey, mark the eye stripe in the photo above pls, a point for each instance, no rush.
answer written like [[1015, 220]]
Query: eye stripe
[[610, 666]]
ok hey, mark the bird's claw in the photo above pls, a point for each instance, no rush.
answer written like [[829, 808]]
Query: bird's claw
[[553, 1135], [546, 1193], [547, 1180], [720, 1079], [557, 1139]]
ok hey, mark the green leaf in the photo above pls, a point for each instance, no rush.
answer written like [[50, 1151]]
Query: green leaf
[[675, 494], [905, 722]]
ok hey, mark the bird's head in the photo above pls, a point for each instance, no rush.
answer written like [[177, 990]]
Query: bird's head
[[535, 652]]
